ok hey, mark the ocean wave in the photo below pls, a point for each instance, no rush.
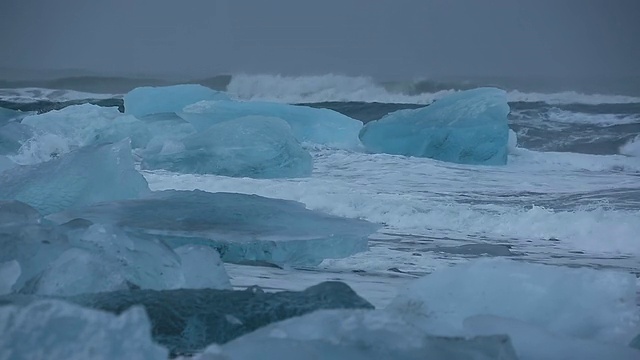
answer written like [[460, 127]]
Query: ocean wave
[[309, 89], [631, 148], [331, 87], [30, 95]]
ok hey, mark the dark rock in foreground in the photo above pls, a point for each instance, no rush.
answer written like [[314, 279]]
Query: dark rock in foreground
[[187, 321]]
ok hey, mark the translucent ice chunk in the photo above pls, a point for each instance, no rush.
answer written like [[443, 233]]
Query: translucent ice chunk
[[6, 163], [12, 136], [468, 127], [255, 146], [241, 227], [87, 124], [9, 274], [56, 330], [153, 100], [88, 175], [321, 126], [202, 268]]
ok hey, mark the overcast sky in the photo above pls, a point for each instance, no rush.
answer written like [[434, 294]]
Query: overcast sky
[[383, 38]]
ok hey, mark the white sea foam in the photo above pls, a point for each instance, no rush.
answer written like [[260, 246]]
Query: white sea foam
[[631, 148], [28, 95], [430, 198], [331, 87]]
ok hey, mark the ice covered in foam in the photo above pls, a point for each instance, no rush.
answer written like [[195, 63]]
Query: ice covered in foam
[[254, 146], [468, 127], [88, 175], [56, 330], [165, 99], [583, 303], [357, 334], [320, 126], [241, 227]]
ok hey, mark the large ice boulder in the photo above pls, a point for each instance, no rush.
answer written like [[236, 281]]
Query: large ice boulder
[[12, 136], [358, 334], [80, 257], [87, 124], [241, 227], [85, 176], [468, 127], [56, 330], [8, 115], [165, 99], [255, 146], [320, 126], [6, 163], [574, 302]]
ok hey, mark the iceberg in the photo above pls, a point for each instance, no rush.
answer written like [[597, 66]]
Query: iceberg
[[33, 246], [56, 330], [241, 227], [166, 126], [12, 136], [6, 163], [87, 124], [81, 257], [468, 127], [258, 147], [9, 274], [573, 302], [166, 99], [358, 334], [320, 126], [85, 176], [8, 115], [202, 268]]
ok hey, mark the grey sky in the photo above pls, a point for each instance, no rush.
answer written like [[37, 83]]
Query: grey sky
[[401, 38]]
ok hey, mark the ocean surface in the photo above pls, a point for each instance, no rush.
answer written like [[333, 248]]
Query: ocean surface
[[569, 195]]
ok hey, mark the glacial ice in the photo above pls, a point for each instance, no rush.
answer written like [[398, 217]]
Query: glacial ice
[[468, 127], [188, 320], [241, 227], [320, 126], [9, 274], [534, 343], [254, 146], [86, 124], [8, 115], [85, 176], [6, 163], [80, 257], [166, 99], [12, 136], [105, 259], [573, 302], [56, 330], [358, 334], [202, 268], [166, 126]]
